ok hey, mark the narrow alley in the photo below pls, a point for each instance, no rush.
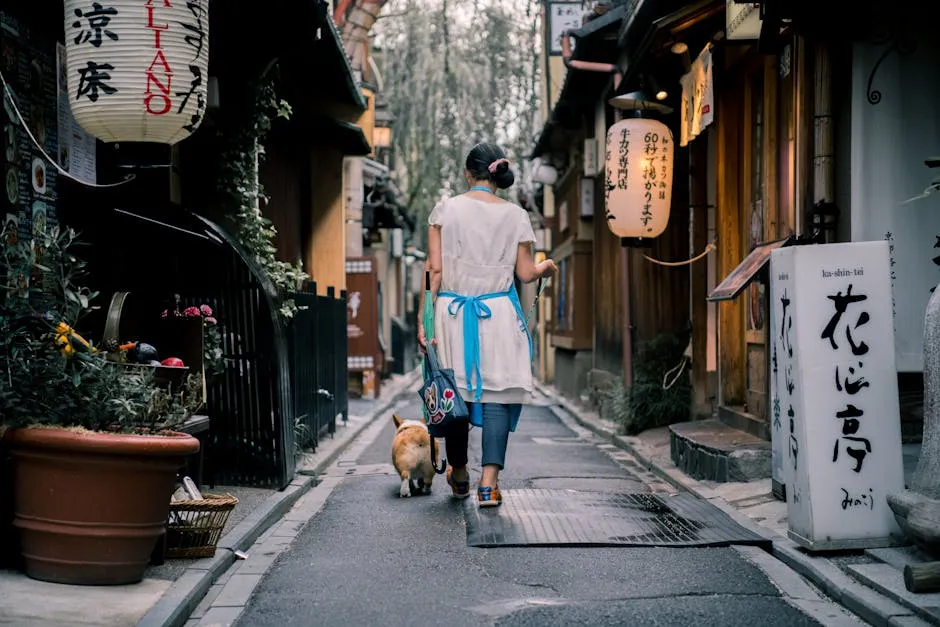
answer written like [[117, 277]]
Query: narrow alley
[[694, 242], [368, 557]]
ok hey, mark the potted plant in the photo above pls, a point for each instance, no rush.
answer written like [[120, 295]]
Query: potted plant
[[94, 454]]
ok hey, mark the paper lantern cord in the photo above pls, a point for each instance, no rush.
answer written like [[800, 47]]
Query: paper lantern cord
[[678, 372], [8, 94], [675, 264]]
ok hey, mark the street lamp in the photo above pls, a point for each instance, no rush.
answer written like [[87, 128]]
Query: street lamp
[[382, 136]]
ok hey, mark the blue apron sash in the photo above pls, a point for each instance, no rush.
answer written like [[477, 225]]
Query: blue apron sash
[[475, 309]]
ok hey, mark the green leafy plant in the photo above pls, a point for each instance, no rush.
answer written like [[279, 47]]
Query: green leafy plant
[[48, 374], [215, 362], [243, 196], [661, 393]]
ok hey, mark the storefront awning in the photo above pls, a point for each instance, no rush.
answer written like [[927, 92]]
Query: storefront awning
[[611, 17], [353, 93], [373, 170], [344, 136], [295, 42], [652, 27]]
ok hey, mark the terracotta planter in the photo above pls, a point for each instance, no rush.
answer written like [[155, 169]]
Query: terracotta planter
[[8, 542], [89, 507]]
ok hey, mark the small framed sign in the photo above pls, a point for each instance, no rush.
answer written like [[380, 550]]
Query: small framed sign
[[562, 16], [590, 157], [587, 198]]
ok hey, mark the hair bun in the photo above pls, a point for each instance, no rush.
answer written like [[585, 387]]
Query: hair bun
[[503, 176], [488, 162]]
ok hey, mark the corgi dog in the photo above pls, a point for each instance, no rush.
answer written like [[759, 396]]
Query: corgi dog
[[411, 456]]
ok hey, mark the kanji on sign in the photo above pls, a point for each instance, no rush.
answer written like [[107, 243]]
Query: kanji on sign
[[92, 80], [92, 25]]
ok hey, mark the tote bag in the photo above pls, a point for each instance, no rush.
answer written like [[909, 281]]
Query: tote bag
[[442, 403]]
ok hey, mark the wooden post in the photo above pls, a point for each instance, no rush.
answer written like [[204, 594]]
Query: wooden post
[[922, 577], [698, 273], [626, 318], [731, 353]]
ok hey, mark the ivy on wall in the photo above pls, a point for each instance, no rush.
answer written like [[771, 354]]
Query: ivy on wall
[[242, 195]]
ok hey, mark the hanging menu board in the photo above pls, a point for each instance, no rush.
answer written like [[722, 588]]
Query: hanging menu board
[[77, 148], [28, 63]]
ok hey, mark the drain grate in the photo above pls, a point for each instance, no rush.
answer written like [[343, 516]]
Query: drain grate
[[533, 517]]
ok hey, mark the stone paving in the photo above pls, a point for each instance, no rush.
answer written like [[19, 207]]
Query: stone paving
[[169, 592], [866, 582]]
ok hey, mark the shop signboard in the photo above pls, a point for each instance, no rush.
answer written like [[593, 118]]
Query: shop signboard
[[838, 393]]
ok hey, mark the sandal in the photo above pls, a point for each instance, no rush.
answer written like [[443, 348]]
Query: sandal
[[489, 497], [460, 489]]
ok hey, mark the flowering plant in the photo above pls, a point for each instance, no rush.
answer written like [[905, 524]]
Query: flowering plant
[[212, 338], [49, 375]]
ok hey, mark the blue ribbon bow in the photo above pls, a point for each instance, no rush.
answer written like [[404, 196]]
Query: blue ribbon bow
[[474, 310]]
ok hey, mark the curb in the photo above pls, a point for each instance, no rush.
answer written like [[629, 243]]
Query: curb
[[182, 597], [869, 605], [176, 605]]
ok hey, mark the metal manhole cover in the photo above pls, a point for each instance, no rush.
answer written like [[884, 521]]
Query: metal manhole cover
[[532, 517]]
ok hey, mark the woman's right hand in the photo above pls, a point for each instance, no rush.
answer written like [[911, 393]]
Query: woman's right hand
[[423, 340]]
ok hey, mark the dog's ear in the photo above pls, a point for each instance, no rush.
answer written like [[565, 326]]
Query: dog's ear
[[397, 420]]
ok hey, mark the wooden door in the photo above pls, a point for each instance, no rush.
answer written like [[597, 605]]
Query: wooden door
[[754, 222]]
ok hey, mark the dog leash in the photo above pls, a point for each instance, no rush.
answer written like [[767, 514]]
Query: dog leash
[[439, 470], [538, 294]]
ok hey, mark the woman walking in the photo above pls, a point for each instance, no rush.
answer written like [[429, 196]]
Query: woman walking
[[476, 242]]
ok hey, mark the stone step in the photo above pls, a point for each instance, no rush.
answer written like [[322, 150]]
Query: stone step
[[713, 451]]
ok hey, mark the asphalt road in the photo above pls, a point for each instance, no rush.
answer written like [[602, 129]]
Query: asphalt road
[[371, 558]]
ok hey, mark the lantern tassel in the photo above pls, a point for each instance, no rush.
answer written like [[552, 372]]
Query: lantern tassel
[[8, 94]]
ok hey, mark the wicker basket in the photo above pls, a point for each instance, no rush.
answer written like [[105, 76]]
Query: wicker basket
[[195, 527]]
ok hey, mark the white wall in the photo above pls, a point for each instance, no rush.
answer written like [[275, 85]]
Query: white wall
[[890, 141]]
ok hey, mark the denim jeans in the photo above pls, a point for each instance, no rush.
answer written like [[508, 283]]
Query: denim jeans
[[495, 437]]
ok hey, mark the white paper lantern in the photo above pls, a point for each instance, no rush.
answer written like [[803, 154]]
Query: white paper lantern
[[639, 178], [137, 70]]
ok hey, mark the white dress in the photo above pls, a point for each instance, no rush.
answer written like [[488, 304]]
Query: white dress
[[479, 245]]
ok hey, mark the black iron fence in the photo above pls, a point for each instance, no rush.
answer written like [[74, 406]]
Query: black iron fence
[[251, 436], [317, 341], [284, 384]]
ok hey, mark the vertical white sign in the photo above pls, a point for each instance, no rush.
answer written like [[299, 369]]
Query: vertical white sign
[[840, 394], [562, 16], [590, 156], [698, 100], [587, 198]]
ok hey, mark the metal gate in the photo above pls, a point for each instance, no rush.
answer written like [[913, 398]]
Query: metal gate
[[318, 358]]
